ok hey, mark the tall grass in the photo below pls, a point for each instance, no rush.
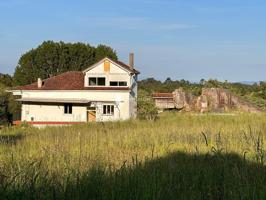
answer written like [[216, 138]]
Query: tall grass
[[178, 156]]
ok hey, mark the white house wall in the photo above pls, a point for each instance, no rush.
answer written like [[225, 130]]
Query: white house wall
[[56, 113], [52, 113], [115, 74], [108, 95]]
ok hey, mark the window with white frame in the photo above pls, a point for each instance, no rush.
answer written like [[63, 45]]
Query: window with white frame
[[108, 109], [96, 81]]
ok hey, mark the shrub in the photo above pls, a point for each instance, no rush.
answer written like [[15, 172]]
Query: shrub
[[146, 106]]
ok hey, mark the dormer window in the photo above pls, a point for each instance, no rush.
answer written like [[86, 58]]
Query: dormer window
[[96, 81]]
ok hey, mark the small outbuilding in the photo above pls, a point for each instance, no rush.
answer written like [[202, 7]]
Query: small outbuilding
[[163, 101]]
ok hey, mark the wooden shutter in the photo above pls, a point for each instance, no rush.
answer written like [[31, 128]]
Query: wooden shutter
[[106, 66]]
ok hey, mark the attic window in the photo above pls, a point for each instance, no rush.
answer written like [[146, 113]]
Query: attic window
[[96, 81]]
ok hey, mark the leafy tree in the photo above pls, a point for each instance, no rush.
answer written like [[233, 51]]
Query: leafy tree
[[149, 84], [52, 58], [3, 103], [202, 81], [8, 106], [103, 51], [146, 106], [168, 80], [6, 80]]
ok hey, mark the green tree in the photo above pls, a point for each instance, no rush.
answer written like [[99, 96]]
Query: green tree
[[9, 107], [6, 80], [3, 104], [102, 51], [52, 58], [146, 106]]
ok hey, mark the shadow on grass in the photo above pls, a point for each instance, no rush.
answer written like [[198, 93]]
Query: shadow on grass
[[10, 139], [177, 176]]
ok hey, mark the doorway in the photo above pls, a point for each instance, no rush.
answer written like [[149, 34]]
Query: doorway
[[91, 116]]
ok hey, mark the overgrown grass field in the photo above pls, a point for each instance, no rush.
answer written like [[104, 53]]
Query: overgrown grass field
[[179, 156]]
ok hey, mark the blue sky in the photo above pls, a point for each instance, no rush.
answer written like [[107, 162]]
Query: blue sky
[[181, 39]]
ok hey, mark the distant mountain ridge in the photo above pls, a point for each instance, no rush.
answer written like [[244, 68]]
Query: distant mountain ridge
[[248, 82]]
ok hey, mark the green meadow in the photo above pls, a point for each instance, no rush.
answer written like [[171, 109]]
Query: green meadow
[[178, 156]]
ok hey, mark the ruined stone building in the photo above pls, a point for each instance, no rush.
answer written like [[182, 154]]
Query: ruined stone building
[[211, 99]]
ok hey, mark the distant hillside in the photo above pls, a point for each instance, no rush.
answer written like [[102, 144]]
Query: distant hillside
[[249, 82]]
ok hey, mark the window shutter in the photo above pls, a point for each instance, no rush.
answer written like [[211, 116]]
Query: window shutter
[[106, 66]]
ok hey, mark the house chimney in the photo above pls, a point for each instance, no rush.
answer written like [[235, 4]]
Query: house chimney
[[131, 60], [39, 82]]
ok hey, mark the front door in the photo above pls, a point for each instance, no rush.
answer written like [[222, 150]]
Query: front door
[[91, 116]]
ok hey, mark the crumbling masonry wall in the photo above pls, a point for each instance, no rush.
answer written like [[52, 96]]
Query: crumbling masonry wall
[[211, 99]]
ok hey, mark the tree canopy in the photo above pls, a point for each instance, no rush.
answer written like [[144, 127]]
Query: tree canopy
[[52, 58], [6, 80], [8, 106]]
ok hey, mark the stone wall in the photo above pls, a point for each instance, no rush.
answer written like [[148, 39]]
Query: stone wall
[[183, 100], [211, 99], [217, 99]]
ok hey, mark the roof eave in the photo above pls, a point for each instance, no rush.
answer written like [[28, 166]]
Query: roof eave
[[134, 71]]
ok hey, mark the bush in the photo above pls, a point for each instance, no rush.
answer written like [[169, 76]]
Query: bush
[[8, 106], [146, 106]]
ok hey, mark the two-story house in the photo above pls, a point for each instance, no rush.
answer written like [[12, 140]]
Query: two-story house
[[105, 91]]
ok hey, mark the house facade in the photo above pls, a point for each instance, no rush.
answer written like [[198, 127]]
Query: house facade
[[105, 91]]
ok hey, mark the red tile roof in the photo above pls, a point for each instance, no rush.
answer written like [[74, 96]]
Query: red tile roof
[[126, 66], [162, 95], [120, 63], [67, 81], [73, 80]]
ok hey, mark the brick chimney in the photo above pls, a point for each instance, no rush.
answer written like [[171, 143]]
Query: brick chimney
[[39, 82], [131, 60]]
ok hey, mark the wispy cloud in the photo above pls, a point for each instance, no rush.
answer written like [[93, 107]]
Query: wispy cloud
[[136, 23]]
